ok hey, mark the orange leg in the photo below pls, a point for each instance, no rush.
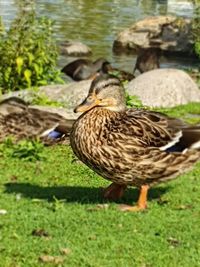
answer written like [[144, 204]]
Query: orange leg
[[114, 191], [142, 201]]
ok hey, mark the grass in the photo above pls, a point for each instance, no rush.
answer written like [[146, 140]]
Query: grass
[[53, 210], [190, 112]]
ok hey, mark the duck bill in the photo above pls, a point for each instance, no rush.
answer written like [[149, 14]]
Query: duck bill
[[86, 105]]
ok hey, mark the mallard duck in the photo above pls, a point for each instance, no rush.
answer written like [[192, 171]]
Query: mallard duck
[[120, 74], [82, 69], [19, 120], [130, 147], [147, 59]]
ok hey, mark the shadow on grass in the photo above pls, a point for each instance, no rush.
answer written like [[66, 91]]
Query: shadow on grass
[[75, 193]]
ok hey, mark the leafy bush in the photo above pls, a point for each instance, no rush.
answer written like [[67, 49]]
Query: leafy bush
[[196, 30], [28, 52]]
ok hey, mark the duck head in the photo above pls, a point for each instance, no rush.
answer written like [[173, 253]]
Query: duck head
[[105, 91]]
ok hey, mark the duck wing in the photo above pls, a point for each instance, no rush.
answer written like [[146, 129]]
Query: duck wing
[[146, 147], [32, 123], [154, 129]]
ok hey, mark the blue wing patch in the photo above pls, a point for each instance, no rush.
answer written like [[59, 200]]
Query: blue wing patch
[[55, 134]]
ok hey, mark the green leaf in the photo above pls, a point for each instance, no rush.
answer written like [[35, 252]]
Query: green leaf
[[27, 76], [19, 62], [7, 73], [30, 58], [37, 69]]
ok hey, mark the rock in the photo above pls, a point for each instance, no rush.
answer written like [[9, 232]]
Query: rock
[[160, 87], [164, 88], [168, 33], [65, 112], [70, 95], [72, 48]]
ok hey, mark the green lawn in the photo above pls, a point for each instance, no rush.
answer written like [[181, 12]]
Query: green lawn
[[53, 210]]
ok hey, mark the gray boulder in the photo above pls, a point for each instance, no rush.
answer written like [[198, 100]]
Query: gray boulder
[[64, 112], [156, 88], [76, 49], [168, 33], [70, 95], [164, 88]]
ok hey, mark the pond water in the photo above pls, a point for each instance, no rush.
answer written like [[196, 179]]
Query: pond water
[[97, 22]]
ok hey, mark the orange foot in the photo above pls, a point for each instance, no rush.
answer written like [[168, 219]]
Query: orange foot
[[142, 201], [114, 191], [124, 207]]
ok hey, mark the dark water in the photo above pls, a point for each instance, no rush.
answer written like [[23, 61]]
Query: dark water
[[97, 22]]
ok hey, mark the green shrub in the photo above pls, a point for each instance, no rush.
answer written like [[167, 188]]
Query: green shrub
[[196, 30], [28, 52]]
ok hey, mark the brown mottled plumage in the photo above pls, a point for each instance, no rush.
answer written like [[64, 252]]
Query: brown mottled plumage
[[19, 120], [130, 147]]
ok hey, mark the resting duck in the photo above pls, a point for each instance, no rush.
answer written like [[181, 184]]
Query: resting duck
[[130, 147], [120, 74], [19, 120], [82, 69], [148, 59]]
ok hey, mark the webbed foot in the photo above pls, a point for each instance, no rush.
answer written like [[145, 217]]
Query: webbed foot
[[124, 207], [142, 201]]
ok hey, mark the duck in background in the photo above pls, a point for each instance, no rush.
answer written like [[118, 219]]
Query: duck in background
[[82, 69], [120, 74], [131, 147], [147, 59], [21, 121]]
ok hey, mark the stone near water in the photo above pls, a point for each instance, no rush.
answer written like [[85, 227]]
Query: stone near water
[[156, 88], [168, 33], [74, 48], [164, 88], [70, 95]]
